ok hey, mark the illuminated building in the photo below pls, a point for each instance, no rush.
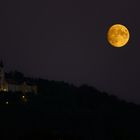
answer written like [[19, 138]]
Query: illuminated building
[[8, 84]]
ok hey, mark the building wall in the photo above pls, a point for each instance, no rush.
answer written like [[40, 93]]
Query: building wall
[[11, 87], [4, 86], [24, 88]]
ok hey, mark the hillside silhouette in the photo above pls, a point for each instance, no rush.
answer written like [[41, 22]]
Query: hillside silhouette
[[64, 111]]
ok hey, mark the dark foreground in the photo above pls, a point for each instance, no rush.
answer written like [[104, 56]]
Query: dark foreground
[[62, 111]]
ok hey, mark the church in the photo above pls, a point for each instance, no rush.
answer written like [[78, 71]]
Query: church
[[7, 84]]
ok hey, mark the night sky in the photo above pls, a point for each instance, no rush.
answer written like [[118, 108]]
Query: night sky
[[66, 40]]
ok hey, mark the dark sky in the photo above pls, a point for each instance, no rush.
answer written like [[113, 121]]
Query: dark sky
[[66, 40]]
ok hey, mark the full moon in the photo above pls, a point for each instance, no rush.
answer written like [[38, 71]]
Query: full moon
[[118, 35]]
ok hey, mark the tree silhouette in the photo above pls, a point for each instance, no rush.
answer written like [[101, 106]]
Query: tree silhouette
[[61, 110]]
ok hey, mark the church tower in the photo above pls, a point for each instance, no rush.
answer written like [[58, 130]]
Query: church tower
[[3, 83]]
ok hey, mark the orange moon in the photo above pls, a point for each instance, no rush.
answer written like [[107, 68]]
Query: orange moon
[[118, 35]]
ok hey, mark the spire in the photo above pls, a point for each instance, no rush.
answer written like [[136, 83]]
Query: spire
[[1, 64]]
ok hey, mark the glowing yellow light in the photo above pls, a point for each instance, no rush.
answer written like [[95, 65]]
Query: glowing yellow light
[[118, 35], [7, 102], [4, 89], [23, 96], [24, 99]]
